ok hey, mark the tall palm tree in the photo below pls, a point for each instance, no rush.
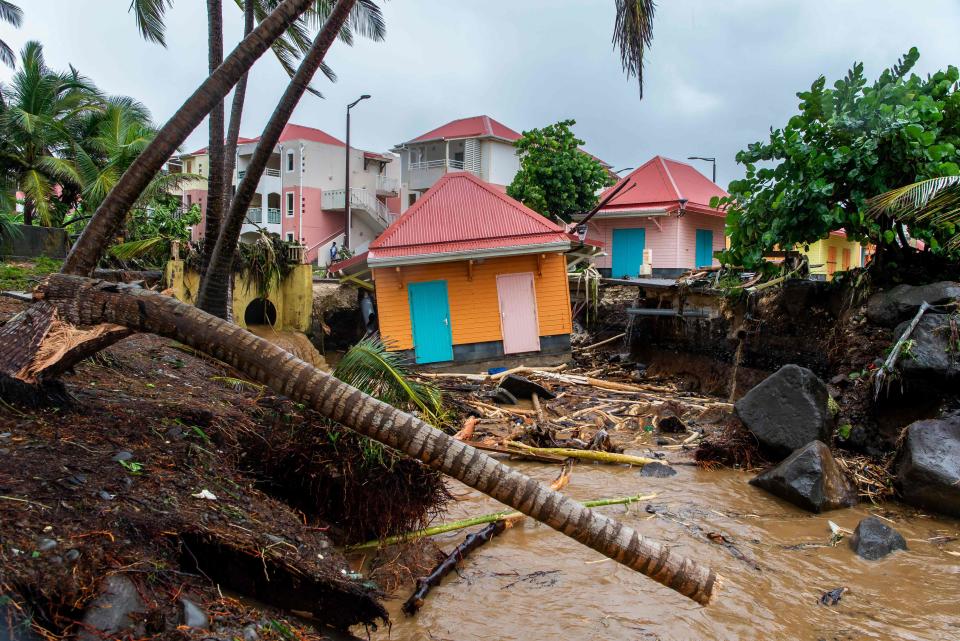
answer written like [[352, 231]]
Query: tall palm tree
[[83, 301], [633, 35], [37, 112], [98, 234], [214, 285], [11, 14]]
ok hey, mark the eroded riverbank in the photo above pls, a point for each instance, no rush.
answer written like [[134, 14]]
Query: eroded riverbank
[[532, 582]]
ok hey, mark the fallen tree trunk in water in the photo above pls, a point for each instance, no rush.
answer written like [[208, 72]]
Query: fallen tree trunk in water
[[84, 301]]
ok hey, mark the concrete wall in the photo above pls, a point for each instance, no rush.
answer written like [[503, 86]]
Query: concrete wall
[[292, 299], [502, 162], [32, 242]]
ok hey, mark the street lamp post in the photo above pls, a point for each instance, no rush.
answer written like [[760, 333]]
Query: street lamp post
[[713, 160], [346, 186]]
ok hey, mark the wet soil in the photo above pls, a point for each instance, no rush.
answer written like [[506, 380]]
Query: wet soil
[[776, 561]]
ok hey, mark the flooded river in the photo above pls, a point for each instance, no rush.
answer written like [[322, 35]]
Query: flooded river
[[534, 583]]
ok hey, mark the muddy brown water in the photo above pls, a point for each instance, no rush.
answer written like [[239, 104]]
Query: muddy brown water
[[534, 583]]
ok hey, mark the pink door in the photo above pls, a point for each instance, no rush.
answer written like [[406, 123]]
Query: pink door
[[518, 313]]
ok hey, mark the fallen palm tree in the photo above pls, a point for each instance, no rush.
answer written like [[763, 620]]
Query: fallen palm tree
[[87, 302]]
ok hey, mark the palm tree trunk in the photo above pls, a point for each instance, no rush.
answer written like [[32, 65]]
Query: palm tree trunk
[[84, 301], [215, 144], [213, 288], [111, 213], [236, 116], [28, 210]]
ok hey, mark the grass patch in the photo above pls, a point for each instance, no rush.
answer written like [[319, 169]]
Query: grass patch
[[23, 275]]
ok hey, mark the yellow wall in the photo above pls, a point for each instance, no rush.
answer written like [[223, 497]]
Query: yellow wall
[[474, 306], [819, 254], [293, 299]]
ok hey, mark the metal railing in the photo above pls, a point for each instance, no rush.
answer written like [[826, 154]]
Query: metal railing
[[387, 184], [255, 215], [333, 199], [436, 164], [273, 215], [273, 173]]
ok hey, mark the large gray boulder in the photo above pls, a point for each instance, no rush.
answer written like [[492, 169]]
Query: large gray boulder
[[109, 614], [928, 468], [811, 479], [786, 410], [931, 357], [873, 539], [892, 306]]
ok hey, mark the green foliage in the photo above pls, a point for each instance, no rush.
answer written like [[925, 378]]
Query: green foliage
[[933, 204], [556, 177], [151, 231], [846, 144]]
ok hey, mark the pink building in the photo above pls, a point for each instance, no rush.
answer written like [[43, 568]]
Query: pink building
[[301, 194], [664, 207]]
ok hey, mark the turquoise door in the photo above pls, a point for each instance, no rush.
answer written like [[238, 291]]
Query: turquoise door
[[628, 247], [430, 319], [704, 248]]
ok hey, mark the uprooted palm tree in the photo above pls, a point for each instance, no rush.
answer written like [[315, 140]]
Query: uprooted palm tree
[[32, 345], [932, 204]]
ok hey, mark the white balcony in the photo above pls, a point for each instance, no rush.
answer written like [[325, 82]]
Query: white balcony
[[387, 186], [361, 201], [423, 174], [272, 173]]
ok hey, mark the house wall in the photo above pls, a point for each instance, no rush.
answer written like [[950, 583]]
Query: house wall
[[501, 160], [474, 306], [819, 252], [673, 243]]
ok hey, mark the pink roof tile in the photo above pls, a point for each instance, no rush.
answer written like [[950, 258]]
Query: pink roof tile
[[463, 213], [661, 183], [475, 127]]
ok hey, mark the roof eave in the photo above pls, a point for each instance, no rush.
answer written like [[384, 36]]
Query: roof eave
[[473, 254]]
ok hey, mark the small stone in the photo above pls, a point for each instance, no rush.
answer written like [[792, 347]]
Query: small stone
[[106, 496], [72, 555], [671, 425], [657, 471], [57, 560], [839, 379], [6, 434], [250, 633], [663, 441], [873, 539], [45, 545], [193, 616], [122, 455]]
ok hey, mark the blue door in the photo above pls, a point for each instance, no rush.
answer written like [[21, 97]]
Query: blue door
[[628, 247], [430, 319], [704, 248]]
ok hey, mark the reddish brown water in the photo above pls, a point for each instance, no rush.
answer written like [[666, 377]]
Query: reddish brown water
[[533, 583]]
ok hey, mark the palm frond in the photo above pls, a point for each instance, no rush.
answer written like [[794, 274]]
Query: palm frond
[[7, 56], [140, 248], [933, 202], [383, 374], [633, 35], [149, 15], [11, 13]]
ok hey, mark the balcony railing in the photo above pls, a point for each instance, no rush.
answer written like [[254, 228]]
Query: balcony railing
[[273, 215], [255, 215], [273, 173], [436, 164], [388, 185], [359, 199]]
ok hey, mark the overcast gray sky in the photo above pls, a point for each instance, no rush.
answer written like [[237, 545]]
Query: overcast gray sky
[[720, 73]]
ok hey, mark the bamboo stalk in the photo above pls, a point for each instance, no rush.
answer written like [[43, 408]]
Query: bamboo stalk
[[603, 342], [480, 520], [587, 455]]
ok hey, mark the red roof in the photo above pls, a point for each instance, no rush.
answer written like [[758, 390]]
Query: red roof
[[662, 183], [240, 141], [461, 213], [475, 127], [290, 132]]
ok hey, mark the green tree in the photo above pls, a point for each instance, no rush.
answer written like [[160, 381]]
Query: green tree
[[37, 114], [556, 177], [846, 144], [11, 14]]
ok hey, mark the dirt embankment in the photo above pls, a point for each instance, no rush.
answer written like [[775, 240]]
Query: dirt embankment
[[169, 471]]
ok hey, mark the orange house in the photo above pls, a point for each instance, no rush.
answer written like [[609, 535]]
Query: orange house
[[468, 274]]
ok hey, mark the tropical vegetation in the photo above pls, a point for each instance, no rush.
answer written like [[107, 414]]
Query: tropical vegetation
[[848, 142], [557, 178]]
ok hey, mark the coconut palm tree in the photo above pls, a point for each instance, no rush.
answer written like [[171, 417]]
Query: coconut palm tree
[[98, 234], [11, 14], [38, 110], [933, 204]]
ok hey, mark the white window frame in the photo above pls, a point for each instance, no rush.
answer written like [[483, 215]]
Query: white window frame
[[289, 236], [291, 206], [290, 164]]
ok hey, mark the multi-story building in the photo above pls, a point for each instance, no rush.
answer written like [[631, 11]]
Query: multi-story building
[[479, 145], [301, 195]]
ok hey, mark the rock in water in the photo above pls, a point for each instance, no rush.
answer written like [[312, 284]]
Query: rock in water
[[525, 388], [787, 410], [929, 358], [873, 539], [928, 468], [811, 479], [657, 470], [193, 616], [902, 302], [110, 611]]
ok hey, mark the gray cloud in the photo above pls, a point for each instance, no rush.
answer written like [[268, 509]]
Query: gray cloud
[[718, 76]]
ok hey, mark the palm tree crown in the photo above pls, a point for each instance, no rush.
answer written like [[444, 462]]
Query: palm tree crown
[[11, 14]]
